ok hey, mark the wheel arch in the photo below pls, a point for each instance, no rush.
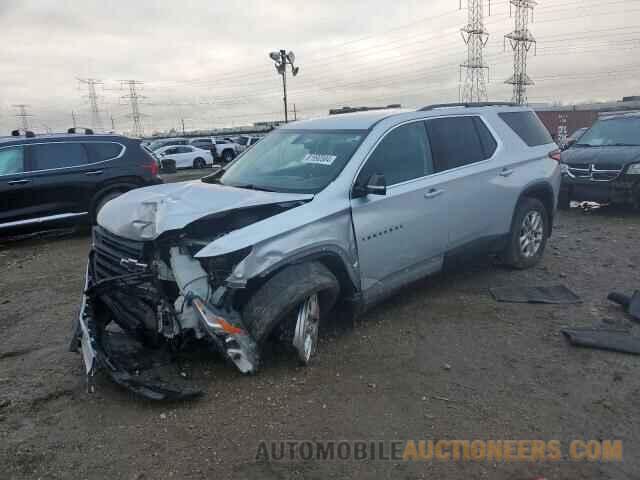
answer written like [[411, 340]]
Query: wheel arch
[[120, 185], [542, 191]]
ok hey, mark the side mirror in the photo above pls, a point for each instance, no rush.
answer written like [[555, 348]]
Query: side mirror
[[376, 185]]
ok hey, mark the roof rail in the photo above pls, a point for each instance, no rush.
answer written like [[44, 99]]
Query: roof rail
[[468, 105], [27, 133], [87, 131]]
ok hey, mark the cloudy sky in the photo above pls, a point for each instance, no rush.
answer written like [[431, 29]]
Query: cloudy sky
[[207, 61]]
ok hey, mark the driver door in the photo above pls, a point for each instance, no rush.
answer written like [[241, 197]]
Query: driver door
[[402, 235]]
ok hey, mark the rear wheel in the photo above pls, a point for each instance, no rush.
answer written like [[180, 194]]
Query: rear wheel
[[529, 233], [102, 201], [228, 155], [199, 163]]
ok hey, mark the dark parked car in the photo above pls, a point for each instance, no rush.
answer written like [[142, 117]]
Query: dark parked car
[[604, 164], [69, 176]]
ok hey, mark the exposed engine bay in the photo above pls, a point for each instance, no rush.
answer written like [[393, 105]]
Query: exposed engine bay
[[159, 296]]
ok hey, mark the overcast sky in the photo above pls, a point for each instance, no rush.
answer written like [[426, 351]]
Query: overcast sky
[[207, 61]]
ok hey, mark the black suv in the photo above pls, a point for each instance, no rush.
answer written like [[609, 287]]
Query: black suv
[[604, 164], [67, 176]]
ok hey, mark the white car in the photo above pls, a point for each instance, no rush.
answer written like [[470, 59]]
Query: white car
[[185, 156], [246, 141]]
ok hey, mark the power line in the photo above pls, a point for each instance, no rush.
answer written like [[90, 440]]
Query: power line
[[23, 115], [521, 41], [475, 36], [92, 95]]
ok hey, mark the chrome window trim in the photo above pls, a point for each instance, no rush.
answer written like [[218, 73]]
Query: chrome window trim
[[496, 137], [23, 145]]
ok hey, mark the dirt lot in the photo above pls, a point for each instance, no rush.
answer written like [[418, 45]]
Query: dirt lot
[[441, 360]]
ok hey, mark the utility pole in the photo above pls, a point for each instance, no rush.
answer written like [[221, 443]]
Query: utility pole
[[182, 120], [74, 121], [282, 59], [475, 36], [521, 41], [133, 98], [113, 124], [96, 121], [295, 113], [23, 115]]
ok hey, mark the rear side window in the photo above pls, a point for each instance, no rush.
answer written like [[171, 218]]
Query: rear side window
[[100, 151], [528, 127], [455, 142], [402, 155], [57, 155], [11, 160], [489, 144]]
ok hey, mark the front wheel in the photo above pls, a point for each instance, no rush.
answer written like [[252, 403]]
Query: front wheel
[[294, 299], [198, 163], [228, 155], [529, 233]]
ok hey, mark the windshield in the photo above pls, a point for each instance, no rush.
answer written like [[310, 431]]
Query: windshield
[[619, 131], [294, 161]]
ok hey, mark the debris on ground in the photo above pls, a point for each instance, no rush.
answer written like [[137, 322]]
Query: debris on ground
[[631, 304], [555, 294], [617, 340]]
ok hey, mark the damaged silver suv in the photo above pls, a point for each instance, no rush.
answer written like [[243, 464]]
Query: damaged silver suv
[[343, 209]]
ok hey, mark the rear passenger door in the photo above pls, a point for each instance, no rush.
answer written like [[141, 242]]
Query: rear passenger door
[[62, 175], [464, 155], [401, 236]]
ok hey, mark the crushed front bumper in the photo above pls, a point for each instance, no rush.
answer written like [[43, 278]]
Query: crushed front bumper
[[98, 346]]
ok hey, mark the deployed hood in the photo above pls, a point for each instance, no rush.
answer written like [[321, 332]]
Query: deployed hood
[[612, 157], [145, 213]]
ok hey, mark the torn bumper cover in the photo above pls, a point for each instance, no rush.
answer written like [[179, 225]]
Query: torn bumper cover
[[119, 333]]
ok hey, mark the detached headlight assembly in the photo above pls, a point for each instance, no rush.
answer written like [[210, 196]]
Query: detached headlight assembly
[[634, 169]]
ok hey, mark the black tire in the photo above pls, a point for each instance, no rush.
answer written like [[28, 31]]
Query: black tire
[[228, 155], [199, 163], [102, 201], [564, 201], [514, 256], [284, 292]]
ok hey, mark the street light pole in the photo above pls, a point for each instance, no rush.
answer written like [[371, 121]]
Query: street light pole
[[282, 59]]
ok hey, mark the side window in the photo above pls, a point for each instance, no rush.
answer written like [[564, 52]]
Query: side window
[[454, 142], [402, 155], [489, 143], [528, 127], [100, 151], [171, 151], [46, 156], [184, 150], [11, 160]]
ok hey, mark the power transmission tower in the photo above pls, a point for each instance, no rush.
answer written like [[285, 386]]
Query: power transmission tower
[[133, 98], [475, 35], [23, 115], [92, 95], [521, 41]]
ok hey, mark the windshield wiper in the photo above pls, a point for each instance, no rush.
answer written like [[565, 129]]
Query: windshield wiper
[[623, 145], [583, 145], [253, 187]]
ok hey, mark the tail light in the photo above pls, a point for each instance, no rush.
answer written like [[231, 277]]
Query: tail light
[[152, 167], [555, 155]]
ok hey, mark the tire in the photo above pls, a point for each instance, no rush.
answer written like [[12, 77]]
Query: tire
[[199, 163], [564, 201], [282, 296], [529, 234], [228, 155], [102, 201]]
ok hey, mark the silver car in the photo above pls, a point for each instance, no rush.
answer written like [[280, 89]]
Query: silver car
[[319, 214]]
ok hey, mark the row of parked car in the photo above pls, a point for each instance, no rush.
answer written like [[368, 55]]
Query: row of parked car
[[199, 152]]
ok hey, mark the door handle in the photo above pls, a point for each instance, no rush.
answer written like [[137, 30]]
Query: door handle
[[19, 182], [95, 172], [433, 193], [505, 172]]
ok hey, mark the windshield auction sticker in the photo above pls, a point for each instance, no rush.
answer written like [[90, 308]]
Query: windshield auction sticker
[[319, 159]]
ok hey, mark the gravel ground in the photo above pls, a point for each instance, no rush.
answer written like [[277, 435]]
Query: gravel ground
[[441, 360]]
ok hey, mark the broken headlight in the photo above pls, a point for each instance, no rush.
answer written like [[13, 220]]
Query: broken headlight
[[145, 222], [220, 268]]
